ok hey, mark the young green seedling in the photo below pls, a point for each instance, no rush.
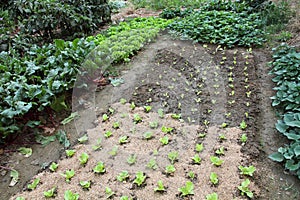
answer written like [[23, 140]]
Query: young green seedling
[[98, 145], [123, 176], [147, 108], [244, 188], [148, 135], [166, 129], [188, 189], [153, 125], [214, 178], [139, 178], [173, 156], [220, 151], [123, 139], [50, 193], [212, 196], [244, 138], [125, 198], [68, 175], [175, 116], [114, 151], [109, 192], [216, 161], [191, 175], [196, 159], [123, 101], [224, 125], [247, 170], [105, 117], [164, 140], [116, 125], [137, 118], [201, 135], [132, 106], [131, 160], [99, 168], [69, 195], [170, 169], [199, 147], [243, 125], [108, 134], [160, 187], [85, 184], [83, 139], [152, 164], [222, 137], [53, 167], [83, 158], [70, 152], [34, 183]]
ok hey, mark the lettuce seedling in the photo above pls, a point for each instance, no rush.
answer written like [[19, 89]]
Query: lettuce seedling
[[243, 125], [83, 158], [114, 151], [107, 134], [220, 151], [152, 164], [148, 135], [27, 152], [83, 139], [201, 135], [216, 161], [105, 117], [244, 138], [224, 125], [123, 101], [147, 108], [173, 156], [247, 170], [166, 129], [34, 183], [196, 159], [160, 187], [214, 178], [212, 196], [116, 125], [109, 192], [132, 106], [139, 178], [170, 169], [125, 198], [161, 113], [244, 188], [137, 118], [99, 168], [164, 140], [53, 167], [70, 153], [68, 175], [131, 160], [199, 147], [50, 193], [191, 175], [85, 184], [69, 195], [20, 198], [153, 125], [175, 116], [123, 176], [123, 139], [188, 189], [222, 137], [98, 145]]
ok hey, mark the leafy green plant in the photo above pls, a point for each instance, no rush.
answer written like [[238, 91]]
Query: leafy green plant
[[170, 169], [108, 134], [123, 139], [137, 118], [85, 184], [131, 160], [244, 188], [139, 178], [34, 183], [153, 125], [116, 125], [199, 147], [164, 140], [212, 196], [25, 151], [148, 135], [83, 158], [53, 167], [123, 176], [243, 125], [247, 170], [196, 159], [147, 108], [109, 192], [98, 145], [125, 198], [220, 151], [166, 129], [68, 175], [50, 193], [70, 152], [216, 161], [114, 151], [173, 156], [123, 101], [83, 139], [105, 117], [222, 137], [244, 138], [161, 113], [186, 190], [191, 175], [160, 187], [99, 168], [175, 116], [152, 164], [69, 195], [214, 178]]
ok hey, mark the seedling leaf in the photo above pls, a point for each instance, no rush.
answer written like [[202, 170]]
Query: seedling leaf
[[34, 183], [188, 189], [27, 152]]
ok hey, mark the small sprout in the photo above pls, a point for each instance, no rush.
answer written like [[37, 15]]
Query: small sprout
[[170, 169], [83, 139], [228, 114], [153, 125], [246, 114], [125, 198], [34, 183], [247, 170], [123, 139], [164, 140], [231, 93], [70, 152], [83, 158], [247, 104], [224, 125], [137, 118], [206, 122], [188, 189], [131, 160], [166, 129], [191, 175], [147, 108], [68, 175], [109, 192], [220, 151], [27, 152], [139, 178], [176, 116], [116, 125], [212, 196], [152, 164], [148, 135], [105, 117], [243, 125], [173, 156], [216, 161], [123, 101], [50, 193], [132, 106], [70, 195], [160, 187], [20, 198], [114, 151], [199, 147], [99, 168], [123, 176], [196, 159], [244, 188], [244, 138], [214, 178], [201, 135], [209, 111], [85, 184], [108, 134], [98, 145], [53, 166], [222, 137], [111, 110], [248, 94]]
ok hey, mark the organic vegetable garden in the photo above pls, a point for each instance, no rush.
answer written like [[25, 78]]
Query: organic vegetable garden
[[190, 104]]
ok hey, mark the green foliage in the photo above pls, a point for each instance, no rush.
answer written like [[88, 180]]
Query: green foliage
[[153, 125], [170, 169], [85, 184], [139, 178], [109, 192], [212, 196], [25, 151], [243, 125], [131, 160], [170, 13], [123, 139], [188, 189], [152, 164], [69, 195], [68, 175], [123, 176], [167, 129], [147, 108], [214, 178], [164, 140], [173, 156], [244, 188], [244, 138], [160, 187], [70, 152], [196, 159], [83, 139], [199, 147], [216, 161], [99, 168], [34, 183], [137, 118], [107, 134], [53, 167], [50, 193], [220, 151], [83, 158], [148, 135], [247, 170], [160, 4]]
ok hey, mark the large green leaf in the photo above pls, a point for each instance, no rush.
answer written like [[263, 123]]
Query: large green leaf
[[278, 157]]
